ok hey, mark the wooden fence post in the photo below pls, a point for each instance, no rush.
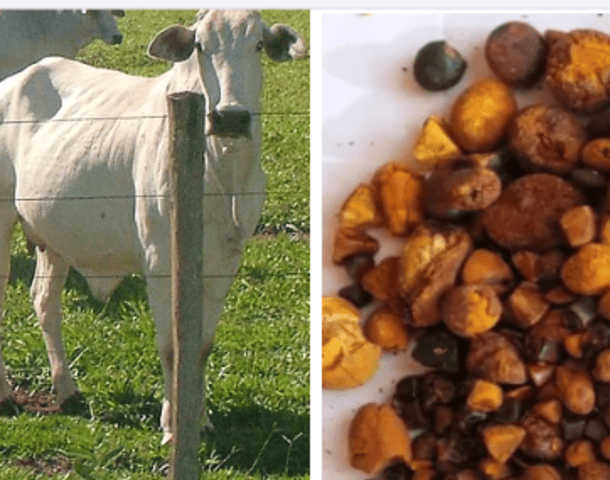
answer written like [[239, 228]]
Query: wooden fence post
[[186, 150]]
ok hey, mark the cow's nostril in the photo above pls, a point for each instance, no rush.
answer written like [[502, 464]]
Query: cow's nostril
[[230, 122], [116, 39]]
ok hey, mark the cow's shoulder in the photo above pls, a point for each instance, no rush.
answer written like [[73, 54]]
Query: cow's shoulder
[[83, 88], [30, 94]]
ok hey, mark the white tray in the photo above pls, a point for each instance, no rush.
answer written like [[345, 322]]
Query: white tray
[[372, 110]]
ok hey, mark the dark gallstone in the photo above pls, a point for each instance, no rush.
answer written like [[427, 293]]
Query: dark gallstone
[[605, 416], [572, 320], [467, 420], [358, 265], [424, 446], [412, 413], [438, 66], [446, 468], [543, 440], [602, 394], [511, 168], [539, 349], [397, 471], [595, 430], [509, 412], [599, 125], [584, 310], [469, 474], [408, 388], [436, 389], [573, 427], [588, 178], [443, 418], [440, 350], [356, 295], [475, 447], [546, 283], [455, 449], [597, 336]]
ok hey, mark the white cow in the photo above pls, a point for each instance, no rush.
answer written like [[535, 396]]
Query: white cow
[[27, 36], [53, 156]]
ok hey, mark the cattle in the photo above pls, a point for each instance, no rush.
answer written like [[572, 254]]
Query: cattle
[[84, 169], [27, 36]]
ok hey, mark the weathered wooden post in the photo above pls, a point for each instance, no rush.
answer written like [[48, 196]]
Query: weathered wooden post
[[186, 150]]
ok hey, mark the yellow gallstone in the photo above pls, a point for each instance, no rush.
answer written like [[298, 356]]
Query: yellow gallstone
[[485, 396], [360, 209], [400, 192], [377, 437], [419, 251], [587, 272], [588, 59], [348, 358], [502, 440], [434, 144]]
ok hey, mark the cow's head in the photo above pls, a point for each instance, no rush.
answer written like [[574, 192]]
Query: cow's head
[[104, 26], [228, 45]]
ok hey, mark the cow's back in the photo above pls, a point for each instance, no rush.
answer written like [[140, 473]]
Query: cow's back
[[71, 138], [57, 104]]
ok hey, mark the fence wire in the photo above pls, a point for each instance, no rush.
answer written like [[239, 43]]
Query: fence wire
[[238, 275], [127, 117]]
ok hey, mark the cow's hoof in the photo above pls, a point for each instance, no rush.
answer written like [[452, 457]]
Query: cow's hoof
[[76, 405], [9, 408]]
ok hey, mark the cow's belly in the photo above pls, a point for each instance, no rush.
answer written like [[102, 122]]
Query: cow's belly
[[86, 215], [98, 239]]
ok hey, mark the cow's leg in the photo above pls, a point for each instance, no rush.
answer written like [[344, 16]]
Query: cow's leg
[[49, 280], [7, 404], [159, 297], [159, 292]]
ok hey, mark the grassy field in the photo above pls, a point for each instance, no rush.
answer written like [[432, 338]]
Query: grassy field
[[258, 372]]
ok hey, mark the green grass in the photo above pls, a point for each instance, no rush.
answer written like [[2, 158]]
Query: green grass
[[258, 371]]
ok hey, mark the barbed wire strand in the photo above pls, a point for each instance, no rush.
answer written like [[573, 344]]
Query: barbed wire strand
[[126, 117], [131, 197], [162, 276]]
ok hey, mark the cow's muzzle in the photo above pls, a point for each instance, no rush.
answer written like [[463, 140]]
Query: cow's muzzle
[[230, 123], [116, 39]]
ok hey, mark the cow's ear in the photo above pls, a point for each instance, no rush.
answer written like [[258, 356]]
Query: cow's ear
[[283, 43], [175, 44]]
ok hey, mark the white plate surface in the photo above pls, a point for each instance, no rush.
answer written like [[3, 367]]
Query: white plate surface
[[372, 110]]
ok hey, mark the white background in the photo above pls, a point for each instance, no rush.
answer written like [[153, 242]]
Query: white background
[[371, 112]]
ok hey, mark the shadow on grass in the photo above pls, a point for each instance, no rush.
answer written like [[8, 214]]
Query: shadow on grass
[[258, 441], [126, 407], [22, 269], [249, 439], [252, 439], [132, 287]]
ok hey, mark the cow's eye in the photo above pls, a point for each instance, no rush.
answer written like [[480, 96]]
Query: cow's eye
[[259, 46]]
